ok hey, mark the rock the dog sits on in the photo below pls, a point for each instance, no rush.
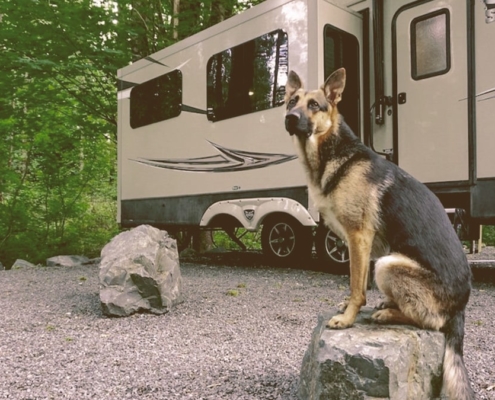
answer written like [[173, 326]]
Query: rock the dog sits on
[[384, 213]]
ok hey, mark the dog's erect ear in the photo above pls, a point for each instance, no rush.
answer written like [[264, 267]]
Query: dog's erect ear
[[334, 86], [293, 85]]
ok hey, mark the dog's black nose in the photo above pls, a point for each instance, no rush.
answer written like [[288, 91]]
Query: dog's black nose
[[291, 122]]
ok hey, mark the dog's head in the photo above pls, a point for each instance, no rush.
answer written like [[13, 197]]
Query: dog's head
[[314, 112]]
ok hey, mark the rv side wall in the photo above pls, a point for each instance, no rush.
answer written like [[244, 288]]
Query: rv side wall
[[182, 162], [485, 94]]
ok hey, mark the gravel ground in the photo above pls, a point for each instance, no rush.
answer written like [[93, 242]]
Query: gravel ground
[[240, 334]]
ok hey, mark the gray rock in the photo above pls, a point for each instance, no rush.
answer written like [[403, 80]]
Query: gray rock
[[21, 264], [66, 261], [139, 271], [188, 252], [94, 261], [370, 361]]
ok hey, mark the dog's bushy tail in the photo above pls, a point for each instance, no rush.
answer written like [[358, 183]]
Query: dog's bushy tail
[[455, 377]]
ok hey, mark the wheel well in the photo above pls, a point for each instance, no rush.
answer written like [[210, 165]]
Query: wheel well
[[224, 221], [278, 216]]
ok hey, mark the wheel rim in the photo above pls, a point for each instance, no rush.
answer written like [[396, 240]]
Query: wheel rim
[[336, 248], [282, 240]]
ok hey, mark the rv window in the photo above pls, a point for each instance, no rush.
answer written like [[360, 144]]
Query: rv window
[[430, 45], [341, 49], [156, 100], [249, 77]]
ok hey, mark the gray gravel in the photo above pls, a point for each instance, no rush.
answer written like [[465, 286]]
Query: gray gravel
[[240, 334]]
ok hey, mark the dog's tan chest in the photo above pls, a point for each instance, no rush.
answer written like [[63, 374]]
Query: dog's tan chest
[[325, 207], [353, 204]]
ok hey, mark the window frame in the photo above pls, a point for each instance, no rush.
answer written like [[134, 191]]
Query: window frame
[[413, 44], [176, 109], [277, 89], [353, 111]]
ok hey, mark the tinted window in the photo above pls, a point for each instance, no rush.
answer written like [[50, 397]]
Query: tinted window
[[341, 49], [156, 100], [430, 37], [249, 77]]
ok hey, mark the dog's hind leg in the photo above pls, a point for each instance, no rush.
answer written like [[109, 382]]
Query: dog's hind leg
[[412, 289], [386, 304], [418, 295], [392, 316]]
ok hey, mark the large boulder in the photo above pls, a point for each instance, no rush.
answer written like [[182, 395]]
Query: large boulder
[[370, 361], [139, 271]]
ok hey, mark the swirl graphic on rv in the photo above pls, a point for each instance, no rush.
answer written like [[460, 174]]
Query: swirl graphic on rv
[[228, 160], [489, 91]]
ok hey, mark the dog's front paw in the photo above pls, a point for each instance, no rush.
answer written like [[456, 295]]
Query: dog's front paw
[[340, 322]]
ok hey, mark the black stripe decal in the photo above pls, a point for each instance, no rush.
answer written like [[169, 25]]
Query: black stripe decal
[[155, 61], [123, 85], [228, 160], [192, 109]]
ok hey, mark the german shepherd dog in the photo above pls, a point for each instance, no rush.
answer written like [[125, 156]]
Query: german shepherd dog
[[385, 214]]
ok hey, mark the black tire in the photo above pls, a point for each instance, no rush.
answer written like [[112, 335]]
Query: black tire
[[285, 242], [330, 249]]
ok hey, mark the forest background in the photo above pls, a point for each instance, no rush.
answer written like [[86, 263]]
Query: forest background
[[58, 104]]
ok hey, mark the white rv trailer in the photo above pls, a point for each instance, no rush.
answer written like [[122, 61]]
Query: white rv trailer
[[201, 138]]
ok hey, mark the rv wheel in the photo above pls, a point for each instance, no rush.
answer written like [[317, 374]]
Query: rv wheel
[[330, 249], [285, 241]]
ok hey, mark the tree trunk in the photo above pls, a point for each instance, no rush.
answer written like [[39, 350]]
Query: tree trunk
[[203, 241], [221, 10], [189, 16], [175, 20], [139, 41]]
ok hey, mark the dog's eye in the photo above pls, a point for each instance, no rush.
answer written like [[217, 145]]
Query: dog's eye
[[292, 102], [313, 105]]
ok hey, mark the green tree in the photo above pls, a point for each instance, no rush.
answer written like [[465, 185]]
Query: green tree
[[58, 125]]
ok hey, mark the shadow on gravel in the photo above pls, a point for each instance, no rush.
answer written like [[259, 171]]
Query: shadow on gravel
[[484, 274], [84, 304], [255, 259]]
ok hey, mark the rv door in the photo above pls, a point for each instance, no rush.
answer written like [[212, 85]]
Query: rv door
[[431, 89], [334, 42], [342, 41]]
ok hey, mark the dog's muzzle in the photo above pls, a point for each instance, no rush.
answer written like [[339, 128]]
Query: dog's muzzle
[[296, 125]]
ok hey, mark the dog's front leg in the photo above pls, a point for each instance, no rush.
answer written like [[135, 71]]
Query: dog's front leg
[[359, 248]]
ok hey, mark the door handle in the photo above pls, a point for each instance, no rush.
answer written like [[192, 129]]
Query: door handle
[[382, 103]]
